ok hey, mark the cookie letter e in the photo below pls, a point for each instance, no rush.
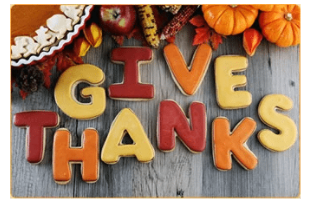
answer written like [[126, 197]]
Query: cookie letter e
[[225, 143], [225, 81], [36, 123], [171, 119], [113, 149], [287, 128], [64, 155], [64, 92]]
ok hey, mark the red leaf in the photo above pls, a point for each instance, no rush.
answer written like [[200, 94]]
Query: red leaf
[[46, 68], [198, 21], [23, 94], [202, 35], [215, 40], [119, 39], [171, 39]]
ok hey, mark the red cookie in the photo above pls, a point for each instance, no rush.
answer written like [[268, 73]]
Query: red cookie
[[36, 123]]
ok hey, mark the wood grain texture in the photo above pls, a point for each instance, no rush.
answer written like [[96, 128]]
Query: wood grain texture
[[179, 173]]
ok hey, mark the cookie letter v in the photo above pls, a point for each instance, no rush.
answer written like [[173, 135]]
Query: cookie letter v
[[187, 78]]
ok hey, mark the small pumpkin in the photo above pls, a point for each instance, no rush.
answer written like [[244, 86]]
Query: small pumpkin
[[281, 26], [267, 7], [229, 19]]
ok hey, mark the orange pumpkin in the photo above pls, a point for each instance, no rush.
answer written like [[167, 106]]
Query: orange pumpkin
[[267, 7], [281, 26], [229, 19]]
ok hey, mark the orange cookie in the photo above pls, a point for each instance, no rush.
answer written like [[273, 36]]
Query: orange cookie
[[188, 79], [225, 143], [64, 155]]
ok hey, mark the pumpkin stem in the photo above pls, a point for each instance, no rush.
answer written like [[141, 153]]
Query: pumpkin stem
[[288, 16], [233, 5]]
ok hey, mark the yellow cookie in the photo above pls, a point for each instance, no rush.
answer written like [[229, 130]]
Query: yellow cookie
[[113, 149], [225, 81], [286, 126], [64, 92]]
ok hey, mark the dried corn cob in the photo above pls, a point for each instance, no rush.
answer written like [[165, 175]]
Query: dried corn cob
[[178, 21], [148, 25], [171, 8]]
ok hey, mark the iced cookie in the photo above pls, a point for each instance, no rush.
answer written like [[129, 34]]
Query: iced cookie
[[173, 123], [226, 143], [36, 123], [131, 88], [64, 92], [64, 155], [287, 128], [188, 79], [227, 97], [126, 122]]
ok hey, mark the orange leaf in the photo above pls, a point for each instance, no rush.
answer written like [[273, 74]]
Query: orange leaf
[[216, 40], [202, 35], [251, 40], [198, 21]]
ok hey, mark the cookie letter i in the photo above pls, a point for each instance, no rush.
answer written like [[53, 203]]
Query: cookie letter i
[[36, 123], [131, 89], [188, 79], [113, 149], [172, 119], [64, 92], [225, 81], [287, 128], [64, 155], [225, 143]]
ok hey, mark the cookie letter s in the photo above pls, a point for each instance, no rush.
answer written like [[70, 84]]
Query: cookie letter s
[[225, 81], [64, 92], [287, 128]]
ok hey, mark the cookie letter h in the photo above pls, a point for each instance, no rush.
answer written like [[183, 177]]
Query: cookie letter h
[[64, 155], [36, 123], [131, 88]]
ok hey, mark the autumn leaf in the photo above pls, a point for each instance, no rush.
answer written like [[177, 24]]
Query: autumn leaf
[[23, 94], [119, 39], [215, 40], [198, 21], [171, 39], [251, 40], [202, 35]]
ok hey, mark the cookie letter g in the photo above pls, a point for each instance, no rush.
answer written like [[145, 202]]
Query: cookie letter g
[[64, 92]]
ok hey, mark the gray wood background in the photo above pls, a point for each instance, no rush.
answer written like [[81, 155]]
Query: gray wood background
[[179, 173]]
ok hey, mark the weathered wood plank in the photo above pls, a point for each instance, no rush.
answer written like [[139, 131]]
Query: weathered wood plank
[[178, 173]]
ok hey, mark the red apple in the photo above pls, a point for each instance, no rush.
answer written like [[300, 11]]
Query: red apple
[[117, 19]]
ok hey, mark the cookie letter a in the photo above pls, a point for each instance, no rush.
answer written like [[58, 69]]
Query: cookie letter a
[[287, 128], [225, 143], [131, 88], [113, 149], [225, 81], [172, 119], [64, 92], [36, 123], [64, 155]]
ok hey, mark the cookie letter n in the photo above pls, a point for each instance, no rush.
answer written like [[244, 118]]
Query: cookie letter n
[[287, 128], [172, 119], [225, 143], [64, 92], [225, 81]]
